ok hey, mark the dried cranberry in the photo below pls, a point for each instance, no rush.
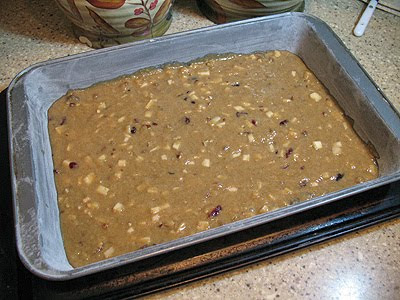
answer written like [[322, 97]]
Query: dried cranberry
[[73, 165], [215, 212], [288, 152], [339, 176], [63, 120], [283, 122], [239, 113]]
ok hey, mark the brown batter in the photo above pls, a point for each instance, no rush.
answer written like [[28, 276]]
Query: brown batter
[[169, 152]]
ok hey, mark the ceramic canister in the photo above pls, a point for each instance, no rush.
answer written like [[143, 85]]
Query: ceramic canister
[[222, 11], [102, 23]]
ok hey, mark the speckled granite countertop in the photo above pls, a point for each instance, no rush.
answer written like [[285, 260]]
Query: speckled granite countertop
[[361, 265]]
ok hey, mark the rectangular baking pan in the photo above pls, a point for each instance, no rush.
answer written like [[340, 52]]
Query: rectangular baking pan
[[32, 92]]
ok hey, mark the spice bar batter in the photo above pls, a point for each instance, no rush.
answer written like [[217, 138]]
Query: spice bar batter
[[169, 152]]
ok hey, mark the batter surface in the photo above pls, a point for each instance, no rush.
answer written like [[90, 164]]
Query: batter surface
[[168, 152]]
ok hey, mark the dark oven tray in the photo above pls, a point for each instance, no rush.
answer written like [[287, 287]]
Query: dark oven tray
[[38, 235]]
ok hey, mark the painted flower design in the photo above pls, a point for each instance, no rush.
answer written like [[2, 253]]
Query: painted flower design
[[145, 18], [138, 11], [153, 4], [107, 4]]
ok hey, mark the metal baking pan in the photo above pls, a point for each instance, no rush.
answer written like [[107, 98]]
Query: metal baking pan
[[32, 92]]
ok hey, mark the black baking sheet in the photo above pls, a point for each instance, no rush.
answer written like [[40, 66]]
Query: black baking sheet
[[31, 93], [192, 263]]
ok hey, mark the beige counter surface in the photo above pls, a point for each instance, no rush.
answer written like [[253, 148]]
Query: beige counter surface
[[361, 265]]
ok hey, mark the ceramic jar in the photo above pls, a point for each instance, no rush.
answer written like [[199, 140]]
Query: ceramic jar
[[222, 11], [102, 23]]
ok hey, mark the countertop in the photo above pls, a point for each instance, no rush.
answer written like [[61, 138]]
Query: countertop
[[361, 265]]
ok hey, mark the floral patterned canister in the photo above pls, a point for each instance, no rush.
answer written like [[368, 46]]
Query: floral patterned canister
[[102, 23], [222, 11]]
